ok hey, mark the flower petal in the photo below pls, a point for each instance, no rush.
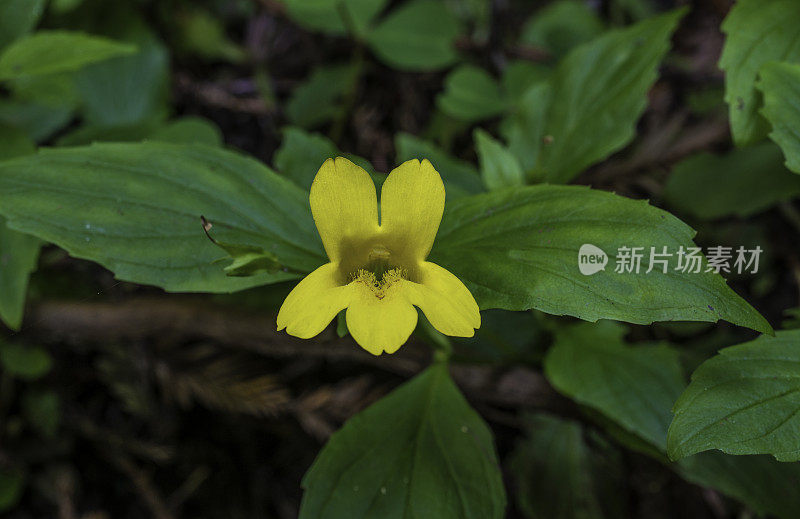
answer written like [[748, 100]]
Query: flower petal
[[412, 203], [313, 303], [380, 325], [344, 205], [447, 303]]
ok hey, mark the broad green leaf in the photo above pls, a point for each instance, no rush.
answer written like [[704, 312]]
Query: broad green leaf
[[335, 16], [25, 362], [319, 98], [136, 208], [780, 85], [745, 400], [38, 120], [561, 26], [561, 477], [418, 35], [460, 177], [743, 182], [759, 481], [518, 249], [127, 90], [499, 167], [18, 17], [593, 100], [42, 409], [12, 483], [49, 52], [758, 31], [634, 386], [56, 90], [419, 452], [471, 94], [763, 484]]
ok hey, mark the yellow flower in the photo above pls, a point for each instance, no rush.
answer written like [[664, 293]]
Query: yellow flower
[[377, 269]]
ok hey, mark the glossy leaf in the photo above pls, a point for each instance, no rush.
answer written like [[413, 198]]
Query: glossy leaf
[[418, 35], [49, 52], [745, 400], [419, 452], [593, 100], [136, 208], [758, 31], [592, 365], [743, 182], [518, 249], [780, 84]]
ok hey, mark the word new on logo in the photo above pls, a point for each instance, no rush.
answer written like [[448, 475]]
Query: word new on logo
[[591, 259]]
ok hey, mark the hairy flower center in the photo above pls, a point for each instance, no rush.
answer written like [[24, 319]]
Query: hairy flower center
[[379, 285]]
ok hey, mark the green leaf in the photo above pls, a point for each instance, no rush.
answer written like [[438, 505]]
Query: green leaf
[[460, 177], [319, 98], [561, 26], [745, 400], [518, 249], [14, 143], [744, 182], [765, 485], [18, 17], [419, 452], [189, 130], [203, 34], [335, 16], [419, 35], [471, 94], [780, 84], [49, 52], [38, 120], [136, 208], [561, 477], [127, 90], [519, 76], [499, 167], [12, 483], [593, 100], [592, 365], [301, 154], [19, 254], [25, 362], [43, 410], [758, 31]]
